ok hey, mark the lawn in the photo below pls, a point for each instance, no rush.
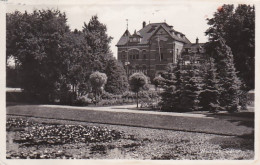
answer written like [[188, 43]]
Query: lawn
[[212, 123], [37, 138]]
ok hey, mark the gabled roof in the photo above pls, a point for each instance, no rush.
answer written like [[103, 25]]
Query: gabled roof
[[148, 31], [124, 38]]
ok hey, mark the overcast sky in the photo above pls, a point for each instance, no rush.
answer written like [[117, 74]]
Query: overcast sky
[[188, 17]]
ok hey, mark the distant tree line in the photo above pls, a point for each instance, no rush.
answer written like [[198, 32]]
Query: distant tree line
[[54, 62]]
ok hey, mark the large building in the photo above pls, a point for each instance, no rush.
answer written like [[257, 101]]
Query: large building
[[153, 47]]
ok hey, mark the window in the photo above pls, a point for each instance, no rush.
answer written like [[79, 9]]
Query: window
[[161, 56], [177, 53], [144, 54], [134, 53], [123, 55], [130, 56]]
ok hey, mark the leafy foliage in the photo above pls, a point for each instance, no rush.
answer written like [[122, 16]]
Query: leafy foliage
[[34, 41], [237, 28], [117, 82], [98, 81], [53, 62], [48, 134], [158, 81], [97, 39]]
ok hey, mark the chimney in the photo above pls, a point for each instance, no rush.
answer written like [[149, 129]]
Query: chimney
[[197, 40], [144, 24]]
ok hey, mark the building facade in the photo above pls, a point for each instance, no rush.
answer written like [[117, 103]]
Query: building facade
[[193, 53], [153, 47]]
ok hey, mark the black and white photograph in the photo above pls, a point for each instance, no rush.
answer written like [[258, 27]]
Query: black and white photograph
[[129, 80]]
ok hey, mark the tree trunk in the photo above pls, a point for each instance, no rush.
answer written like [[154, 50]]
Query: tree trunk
[[137, 99], [95, 97]]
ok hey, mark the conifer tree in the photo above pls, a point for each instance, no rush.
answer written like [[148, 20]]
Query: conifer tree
[[229, 82], [117, 79], [209, 95], [170, 99], [189, 90]]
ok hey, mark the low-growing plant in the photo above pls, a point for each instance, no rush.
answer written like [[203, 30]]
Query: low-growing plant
[[82, 101]]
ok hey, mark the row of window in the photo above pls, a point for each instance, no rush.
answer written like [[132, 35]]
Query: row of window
[[134, 54], [133, 57]]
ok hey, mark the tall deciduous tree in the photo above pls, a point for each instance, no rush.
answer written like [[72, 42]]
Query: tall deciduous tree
[[77, 69], [237, 28], [34, 41]]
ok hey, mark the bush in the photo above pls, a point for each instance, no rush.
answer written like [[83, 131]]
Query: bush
[[114, 102], [106, 96], [82, 101], [128, 95]]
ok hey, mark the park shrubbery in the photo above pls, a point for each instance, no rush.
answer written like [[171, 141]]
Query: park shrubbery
[[147, 99]]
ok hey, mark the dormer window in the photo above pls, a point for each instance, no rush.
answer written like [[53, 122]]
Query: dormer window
[[135, 39]]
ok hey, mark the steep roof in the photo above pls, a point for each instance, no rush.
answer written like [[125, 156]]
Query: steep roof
[[148, 31], [123, 39]]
